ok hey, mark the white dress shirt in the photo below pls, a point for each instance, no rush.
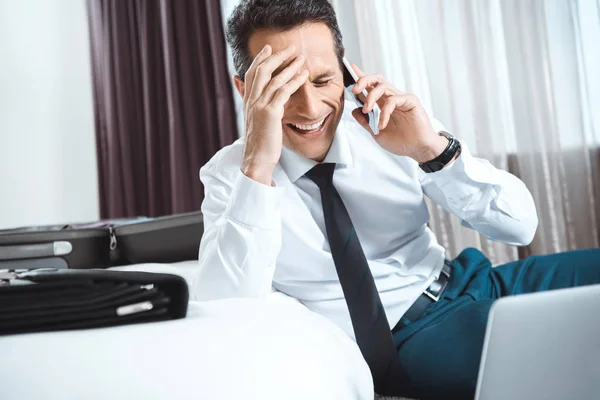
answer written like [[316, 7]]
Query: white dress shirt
[[259, 237]]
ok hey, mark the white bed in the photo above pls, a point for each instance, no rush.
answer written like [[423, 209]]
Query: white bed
[[266, 349]]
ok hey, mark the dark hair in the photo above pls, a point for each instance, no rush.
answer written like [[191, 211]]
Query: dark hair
[[252, 15]]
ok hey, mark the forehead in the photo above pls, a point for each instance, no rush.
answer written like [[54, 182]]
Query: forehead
[[314, 40]]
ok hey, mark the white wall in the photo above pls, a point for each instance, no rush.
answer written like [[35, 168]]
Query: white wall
[[48, 170]]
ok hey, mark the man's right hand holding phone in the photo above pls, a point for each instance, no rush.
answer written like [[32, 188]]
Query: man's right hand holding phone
[[265, 97]]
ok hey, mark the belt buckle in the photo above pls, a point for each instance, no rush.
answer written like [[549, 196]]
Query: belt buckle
[[429, 292]]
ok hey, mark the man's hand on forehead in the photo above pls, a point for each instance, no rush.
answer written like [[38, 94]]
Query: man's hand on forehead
[[266, 63], [295, 54], [265, 96]]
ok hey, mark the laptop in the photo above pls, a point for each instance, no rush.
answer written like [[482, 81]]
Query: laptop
[[542, 346]]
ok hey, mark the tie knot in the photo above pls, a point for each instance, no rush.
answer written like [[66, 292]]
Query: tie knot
[[322, 174]]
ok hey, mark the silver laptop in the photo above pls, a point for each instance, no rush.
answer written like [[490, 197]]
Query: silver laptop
[[543, 346]]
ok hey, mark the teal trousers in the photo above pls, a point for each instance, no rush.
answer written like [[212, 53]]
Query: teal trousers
[[441, 351]]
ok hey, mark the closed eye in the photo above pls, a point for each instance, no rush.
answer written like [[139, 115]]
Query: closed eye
[[322, 83]]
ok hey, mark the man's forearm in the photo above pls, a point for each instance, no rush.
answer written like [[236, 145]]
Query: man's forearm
[[259, 173], [241, 241], [236, 261], [489, 200]]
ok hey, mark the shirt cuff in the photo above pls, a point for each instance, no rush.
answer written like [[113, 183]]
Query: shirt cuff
[[255, 204], [465, 176]]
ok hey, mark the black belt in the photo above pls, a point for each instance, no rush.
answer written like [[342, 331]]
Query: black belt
[[430, 295]]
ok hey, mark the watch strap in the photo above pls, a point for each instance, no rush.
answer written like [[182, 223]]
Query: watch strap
[[443, 159]]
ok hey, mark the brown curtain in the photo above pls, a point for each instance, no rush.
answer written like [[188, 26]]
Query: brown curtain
[[163, 101]]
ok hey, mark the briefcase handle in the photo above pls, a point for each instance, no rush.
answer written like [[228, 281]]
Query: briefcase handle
[[40, 250]]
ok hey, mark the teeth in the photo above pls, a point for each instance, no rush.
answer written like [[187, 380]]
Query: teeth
[[310, 127]]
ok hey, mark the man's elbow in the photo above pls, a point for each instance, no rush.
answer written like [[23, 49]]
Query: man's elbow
[[527, 230]]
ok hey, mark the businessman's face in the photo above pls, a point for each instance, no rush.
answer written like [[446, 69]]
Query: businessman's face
[[313, 112]]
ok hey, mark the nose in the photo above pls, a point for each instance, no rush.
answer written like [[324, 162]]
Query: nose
[[307, 102]]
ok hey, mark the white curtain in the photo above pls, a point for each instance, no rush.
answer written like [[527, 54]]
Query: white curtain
[[518, 80]]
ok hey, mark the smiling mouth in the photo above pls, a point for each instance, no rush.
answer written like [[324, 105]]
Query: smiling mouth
[[310, 129]]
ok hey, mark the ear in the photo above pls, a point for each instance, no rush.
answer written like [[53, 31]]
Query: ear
[[239, 85]]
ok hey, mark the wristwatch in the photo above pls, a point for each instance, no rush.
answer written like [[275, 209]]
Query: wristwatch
[[447, 155]]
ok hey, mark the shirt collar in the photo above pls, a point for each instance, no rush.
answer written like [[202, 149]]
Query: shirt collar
[[295, 165]]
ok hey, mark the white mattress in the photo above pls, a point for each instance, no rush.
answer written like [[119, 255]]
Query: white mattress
[[273, 348]]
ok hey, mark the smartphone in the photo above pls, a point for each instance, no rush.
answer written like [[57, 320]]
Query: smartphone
[[350, 79]]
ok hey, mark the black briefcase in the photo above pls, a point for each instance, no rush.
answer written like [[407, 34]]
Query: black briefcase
[[103, 244], [52, 300]]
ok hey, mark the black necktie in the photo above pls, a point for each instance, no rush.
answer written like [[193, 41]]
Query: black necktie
[[369, 321]]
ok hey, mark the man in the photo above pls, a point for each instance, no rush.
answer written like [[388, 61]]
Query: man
[[311, 203]]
